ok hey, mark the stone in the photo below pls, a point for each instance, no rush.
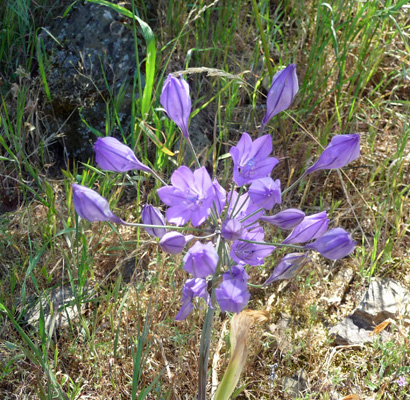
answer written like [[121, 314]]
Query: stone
[[90, 54], [63, 310], [296, 385], [384, 299]]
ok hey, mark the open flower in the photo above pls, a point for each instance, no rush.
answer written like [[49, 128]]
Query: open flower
[[341, 150], [190, 197], [265, 192], [193, 288], [281, 93], [231, 229], [113, 155], [250, 159], [251, 253], [232, 294], [91, 206], [334, 244], [201, 260], [176, 100]]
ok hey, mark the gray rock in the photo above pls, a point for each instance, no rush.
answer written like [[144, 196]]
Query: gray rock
[[63, 308], [95, 48], [384, 299], [296, 385]]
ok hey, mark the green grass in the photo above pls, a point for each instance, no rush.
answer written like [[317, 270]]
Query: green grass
[[352, 63]]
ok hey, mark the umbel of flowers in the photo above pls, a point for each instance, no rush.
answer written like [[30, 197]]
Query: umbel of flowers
[[228, 225]]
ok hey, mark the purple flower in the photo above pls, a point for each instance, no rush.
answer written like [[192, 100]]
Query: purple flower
[[310, 228], [281, 93], [341, 150], [177, 102], [251, 253], [152, 216], [231, 229], [286, 219], [201, 260], [265, 192], [401, 382], [250, 159], [288, 267], [334, 244], [91, 206], [113, 155], [232, 294], [190, 197], [220, 196], [174, 242], [192, 288]]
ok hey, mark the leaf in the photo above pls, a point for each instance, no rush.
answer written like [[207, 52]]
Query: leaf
[[240, 326], [381, 327]]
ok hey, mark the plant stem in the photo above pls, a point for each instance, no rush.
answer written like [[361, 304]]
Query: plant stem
[[204, 353], [207, 329], [193, 151], [294, 184]]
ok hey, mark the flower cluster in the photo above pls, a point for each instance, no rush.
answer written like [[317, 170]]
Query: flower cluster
[[232, 222]]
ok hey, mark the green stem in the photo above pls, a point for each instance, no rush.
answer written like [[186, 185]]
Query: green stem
[[292, 246], [176, 228], [207, 330], [204, 353], [193, 151], [293, 184]]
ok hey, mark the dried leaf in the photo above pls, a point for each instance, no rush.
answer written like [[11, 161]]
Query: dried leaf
[[240, 326], [381, 327]]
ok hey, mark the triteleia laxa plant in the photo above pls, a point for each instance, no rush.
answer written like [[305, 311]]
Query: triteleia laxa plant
[[221, 231]]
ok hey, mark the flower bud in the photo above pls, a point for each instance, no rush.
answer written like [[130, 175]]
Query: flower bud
[[334, 244], [232, 294], [152, 216], [231, 229], [265, 193], [201, 260], [91, 206], [112, 155], [177, 102], [286, 219], [310, 228], [281, 93], [341, 150], [174, 242], [288, 267]]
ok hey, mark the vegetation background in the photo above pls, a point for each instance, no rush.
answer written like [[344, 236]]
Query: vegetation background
[[353, 66]]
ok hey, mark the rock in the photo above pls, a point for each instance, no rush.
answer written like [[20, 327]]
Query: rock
[[384, 299], [94, 48], [63, 310], [348, 333], [296, 385]]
